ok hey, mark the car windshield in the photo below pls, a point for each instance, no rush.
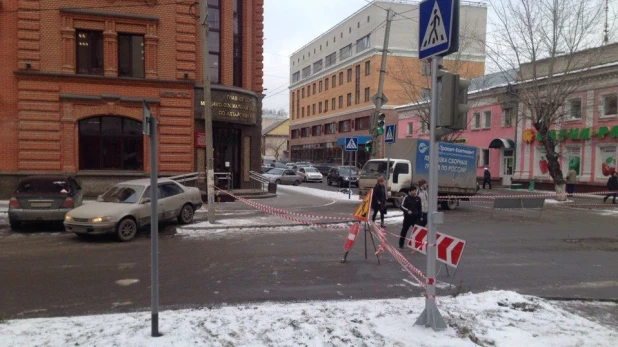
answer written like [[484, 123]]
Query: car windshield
[[123, 194], [276, 172], [40, 185], [376, 167], [348, 171], [310, 169]]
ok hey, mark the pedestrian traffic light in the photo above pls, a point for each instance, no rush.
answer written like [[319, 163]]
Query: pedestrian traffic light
[[453, 101], [381, 118], [368, 147]]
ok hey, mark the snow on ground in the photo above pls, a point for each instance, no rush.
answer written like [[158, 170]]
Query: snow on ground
[[340, 197], [220, 233], [497, 318]]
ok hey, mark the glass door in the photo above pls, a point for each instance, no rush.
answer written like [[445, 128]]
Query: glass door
[[508, 164]]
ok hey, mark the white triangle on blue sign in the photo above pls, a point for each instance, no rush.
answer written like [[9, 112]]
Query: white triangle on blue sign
[[435, 34], [351, 144], [389, 134]]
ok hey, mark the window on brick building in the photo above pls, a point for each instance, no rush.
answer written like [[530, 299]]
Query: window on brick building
[[326, 84], [367, 68], [350, 75], [313, 109], [330, 128], [345, 126], [89, 52], [313, 90], [302, 93], [340, 78], [302, 112], [334, 81], [340, 101], [316, 130], [333, 104], [326, 105], [320, 107], [237, 58], [308, 90], [367, 92], [110, 143], [214, 40], [361, 123], [357, 73], [349, 96], [320, 86], [131, 55]]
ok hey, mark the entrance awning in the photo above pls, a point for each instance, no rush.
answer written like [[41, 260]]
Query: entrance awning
[[362, 139], [502, 143]]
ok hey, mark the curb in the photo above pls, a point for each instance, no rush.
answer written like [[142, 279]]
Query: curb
[[257, 226], [559, 298]]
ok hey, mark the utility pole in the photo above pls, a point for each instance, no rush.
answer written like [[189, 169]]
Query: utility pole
[[210, 174], [380, 98]]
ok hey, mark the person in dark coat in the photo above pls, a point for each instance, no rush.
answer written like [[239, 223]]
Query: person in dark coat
[[487, 178], [378, 201], [412, 208], [612, 186]]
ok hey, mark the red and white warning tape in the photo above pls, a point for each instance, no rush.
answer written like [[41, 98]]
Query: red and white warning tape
[[282, 215], [548, 195]]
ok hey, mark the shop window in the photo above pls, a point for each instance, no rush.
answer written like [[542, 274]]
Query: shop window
[[605, 162], [610, 105], [575, 109], [487, 119], [540, 167], [131, 55], [110, 143], [571, 158], [89, 52]]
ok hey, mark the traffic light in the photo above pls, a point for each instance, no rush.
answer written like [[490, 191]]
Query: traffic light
[[381, 118], [453, 101], [368, 147]]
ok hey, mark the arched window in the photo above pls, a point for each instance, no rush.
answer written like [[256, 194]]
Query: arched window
[[110, 143]]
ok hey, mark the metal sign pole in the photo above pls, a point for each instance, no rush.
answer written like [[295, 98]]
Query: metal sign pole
[[431, 316], [154, 229], [388, 167]]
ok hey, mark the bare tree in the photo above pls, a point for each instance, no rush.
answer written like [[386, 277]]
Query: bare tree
[[550, 45], [275, 145]]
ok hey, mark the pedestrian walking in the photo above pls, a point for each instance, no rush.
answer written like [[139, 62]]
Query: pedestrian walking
[[412, 208], [612, 186], [422, 193], [378, 201], [571, 179], [486, 178]]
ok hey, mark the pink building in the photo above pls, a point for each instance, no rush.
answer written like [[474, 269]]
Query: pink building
[[491, 125], [499, 125]]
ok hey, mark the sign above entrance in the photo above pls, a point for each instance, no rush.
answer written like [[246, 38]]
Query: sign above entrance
[[229, 106]]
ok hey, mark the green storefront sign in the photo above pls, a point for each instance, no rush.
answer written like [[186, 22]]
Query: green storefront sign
[[581, 134]]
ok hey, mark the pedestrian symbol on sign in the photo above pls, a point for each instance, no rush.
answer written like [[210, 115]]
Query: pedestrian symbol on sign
[[351, 144], [389, 137], [435, 34]]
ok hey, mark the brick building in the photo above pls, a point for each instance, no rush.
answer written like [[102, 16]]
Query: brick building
[[334, 76], [75, 74]]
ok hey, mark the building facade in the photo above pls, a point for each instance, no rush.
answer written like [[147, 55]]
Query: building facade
[[76, 77], [499, 125], [490, 124], [334, 77], [276, 139]]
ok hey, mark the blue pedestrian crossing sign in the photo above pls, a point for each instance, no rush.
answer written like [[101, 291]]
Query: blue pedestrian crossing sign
[[438, 32], [389, 135], [351, 144]]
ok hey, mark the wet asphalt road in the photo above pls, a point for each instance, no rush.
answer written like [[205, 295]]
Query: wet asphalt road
[[567, 252]]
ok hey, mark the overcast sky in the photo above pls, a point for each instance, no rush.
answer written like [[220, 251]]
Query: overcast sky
[[290, 24]]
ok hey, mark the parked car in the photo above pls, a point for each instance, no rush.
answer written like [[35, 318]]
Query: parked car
[[44, 198], [125, 208], [323, 168], [310, 174], [283, 176], [265, 169], [343, 176]]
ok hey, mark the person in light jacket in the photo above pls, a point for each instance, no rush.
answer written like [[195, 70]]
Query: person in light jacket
[[422, 193], [571, 179], [378, 201], [412, 210]]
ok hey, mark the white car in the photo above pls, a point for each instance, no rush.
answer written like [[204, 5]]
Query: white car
[[310, 174], [126, 207]]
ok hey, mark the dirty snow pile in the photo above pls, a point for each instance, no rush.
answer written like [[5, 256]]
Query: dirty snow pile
[[498, 318]]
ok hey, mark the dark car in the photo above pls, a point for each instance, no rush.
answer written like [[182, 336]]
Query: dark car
[[44, 198], [343, 176], [323, 168]]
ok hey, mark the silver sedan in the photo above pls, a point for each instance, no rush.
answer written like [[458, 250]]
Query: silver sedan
[[126, 207], [283, 176]]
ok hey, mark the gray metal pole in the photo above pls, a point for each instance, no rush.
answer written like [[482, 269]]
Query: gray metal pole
[[154, 230], [375, 143], [210, 173], [431, 316], [388, 167]]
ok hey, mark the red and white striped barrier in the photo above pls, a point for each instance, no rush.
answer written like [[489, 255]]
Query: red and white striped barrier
[[449, 248]]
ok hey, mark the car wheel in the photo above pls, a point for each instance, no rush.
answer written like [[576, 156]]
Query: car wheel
[[297, 183], [126, 229], [278, 181], [186, 214], [15, 225], [449, 205]]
